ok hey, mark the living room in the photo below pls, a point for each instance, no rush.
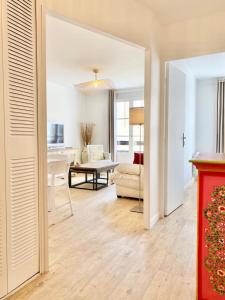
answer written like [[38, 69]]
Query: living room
[[89, 123]]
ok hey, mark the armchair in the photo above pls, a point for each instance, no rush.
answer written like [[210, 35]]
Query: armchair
[[94, 153], [126, 178]]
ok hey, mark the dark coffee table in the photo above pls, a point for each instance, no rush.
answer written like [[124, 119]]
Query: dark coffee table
[[95, 169]]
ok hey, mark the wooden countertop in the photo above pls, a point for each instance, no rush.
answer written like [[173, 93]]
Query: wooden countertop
[[209, 158]]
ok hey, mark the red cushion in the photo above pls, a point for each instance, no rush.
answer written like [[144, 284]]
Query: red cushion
[[138, 158]]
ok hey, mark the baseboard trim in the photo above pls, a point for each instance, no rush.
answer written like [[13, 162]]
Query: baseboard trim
[[154, 220]]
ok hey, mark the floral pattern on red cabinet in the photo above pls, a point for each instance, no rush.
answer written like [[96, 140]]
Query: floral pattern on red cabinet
[[215, 239]]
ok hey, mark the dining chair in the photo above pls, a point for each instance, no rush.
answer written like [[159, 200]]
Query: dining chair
[[58, 171]]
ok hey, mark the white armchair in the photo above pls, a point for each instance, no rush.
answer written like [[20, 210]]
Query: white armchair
[[94, 153], [126, 177]]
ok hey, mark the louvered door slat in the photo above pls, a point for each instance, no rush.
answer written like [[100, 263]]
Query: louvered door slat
[[21, 135], [19, 4]]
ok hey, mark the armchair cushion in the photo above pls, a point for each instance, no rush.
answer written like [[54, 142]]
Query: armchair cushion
[[127, 180], [138, 158], [95, 152], [128, 169]]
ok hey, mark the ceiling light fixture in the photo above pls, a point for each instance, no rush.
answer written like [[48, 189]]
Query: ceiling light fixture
[[96, 84]]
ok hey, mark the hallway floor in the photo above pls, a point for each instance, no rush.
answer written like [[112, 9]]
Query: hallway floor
[[103, 252]]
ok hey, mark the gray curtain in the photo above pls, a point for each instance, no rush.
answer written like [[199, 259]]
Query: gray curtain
[[111, 123], [220, 116]]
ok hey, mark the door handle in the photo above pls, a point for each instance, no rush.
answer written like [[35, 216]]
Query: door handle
[[184, 140]]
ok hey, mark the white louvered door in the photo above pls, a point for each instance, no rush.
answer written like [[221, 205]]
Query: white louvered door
[[3, 265], [20, 97]]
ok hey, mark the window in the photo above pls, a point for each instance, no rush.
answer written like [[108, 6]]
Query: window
[[127, 137]]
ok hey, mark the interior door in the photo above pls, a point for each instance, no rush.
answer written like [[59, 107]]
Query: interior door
[[3, 265], [175, 143], [20, 104]]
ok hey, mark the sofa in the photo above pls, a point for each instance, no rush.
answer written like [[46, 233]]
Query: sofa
[[93, 153], [126, 178]]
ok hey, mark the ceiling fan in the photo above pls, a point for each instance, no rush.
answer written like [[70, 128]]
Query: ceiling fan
[[96, 84]]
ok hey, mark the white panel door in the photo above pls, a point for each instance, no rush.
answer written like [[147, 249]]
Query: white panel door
[[175, 146], [3, 265], [20, 97]]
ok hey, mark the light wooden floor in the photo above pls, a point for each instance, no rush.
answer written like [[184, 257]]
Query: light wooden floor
[[103, 252]]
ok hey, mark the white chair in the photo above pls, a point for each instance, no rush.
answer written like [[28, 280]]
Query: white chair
[[58, 171], [93, 153]]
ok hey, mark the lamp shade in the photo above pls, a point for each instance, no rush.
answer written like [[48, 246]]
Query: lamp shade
[[98, 84], [136, 116]]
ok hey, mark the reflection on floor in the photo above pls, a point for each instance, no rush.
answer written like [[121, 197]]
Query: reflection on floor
[[103, 252]]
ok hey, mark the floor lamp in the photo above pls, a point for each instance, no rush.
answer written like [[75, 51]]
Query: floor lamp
[[137, 118]]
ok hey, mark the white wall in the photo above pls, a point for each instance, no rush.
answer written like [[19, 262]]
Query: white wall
[[70, 107], [97, 111], [194, 37], [152, 113], [206, 115], [132, 20], [66, 105]]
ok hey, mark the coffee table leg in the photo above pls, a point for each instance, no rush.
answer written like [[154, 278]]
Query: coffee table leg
[[96, 181], [69, 179], [107, 177]]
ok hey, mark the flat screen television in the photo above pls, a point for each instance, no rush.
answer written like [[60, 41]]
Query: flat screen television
[[55, 135]]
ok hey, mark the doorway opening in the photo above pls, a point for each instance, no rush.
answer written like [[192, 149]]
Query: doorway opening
[[72, 53], [193, 122]]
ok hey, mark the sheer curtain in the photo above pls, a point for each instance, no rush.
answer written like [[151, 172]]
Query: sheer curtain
[[220, 116]]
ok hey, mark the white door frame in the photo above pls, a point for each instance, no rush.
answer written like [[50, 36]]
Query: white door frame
[[42, 125], [163, 135], [42, 136]]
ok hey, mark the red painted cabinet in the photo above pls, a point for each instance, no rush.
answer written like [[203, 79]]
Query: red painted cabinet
[[211, 226]]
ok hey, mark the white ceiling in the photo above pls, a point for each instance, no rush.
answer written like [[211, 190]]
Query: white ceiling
[[207, 66], [72, 52], [170, 11]]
